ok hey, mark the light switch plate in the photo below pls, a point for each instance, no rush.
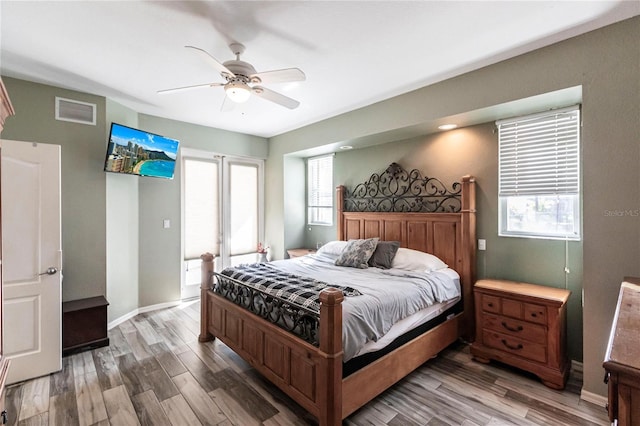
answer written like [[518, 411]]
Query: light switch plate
[[482, 244], [166, 224]]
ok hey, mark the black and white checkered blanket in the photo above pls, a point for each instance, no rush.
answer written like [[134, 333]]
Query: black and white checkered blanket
[[300, 291]]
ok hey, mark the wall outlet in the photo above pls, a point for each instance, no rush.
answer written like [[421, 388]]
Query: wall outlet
[[482, 244], [166, 224]]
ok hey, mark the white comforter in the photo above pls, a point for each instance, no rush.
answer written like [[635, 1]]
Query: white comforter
[[388, 295]]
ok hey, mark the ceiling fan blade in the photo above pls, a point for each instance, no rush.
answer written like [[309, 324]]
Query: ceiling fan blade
[[278, 76], [276, 97], [180, 89], [213, 61]]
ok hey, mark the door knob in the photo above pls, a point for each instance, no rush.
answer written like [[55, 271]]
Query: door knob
[[50, 271]]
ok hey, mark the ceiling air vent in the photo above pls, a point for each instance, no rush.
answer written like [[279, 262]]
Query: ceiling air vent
[[75, 111]]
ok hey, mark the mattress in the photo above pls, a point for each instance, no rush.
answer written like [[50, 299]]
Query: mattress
[[407, 324], [390, 298]]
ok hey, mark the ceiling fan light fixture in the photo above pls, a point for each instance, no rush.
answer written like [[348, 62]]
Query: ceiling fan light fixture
[[238, 91]]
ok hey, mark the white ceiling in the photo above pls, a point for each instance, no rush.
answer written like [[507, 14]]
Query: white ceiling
[[354, 53]]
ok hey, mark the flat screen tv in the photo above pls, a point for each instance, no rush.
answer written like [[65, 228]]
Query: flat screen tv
[[136, 152]]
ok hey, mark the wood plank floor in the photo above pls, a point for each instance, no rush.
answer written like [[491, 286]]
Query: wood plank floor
[[156, 373]]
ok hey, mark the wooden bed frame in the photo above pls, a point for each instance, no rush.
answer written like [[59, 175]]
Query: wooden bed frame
[[311, 375]]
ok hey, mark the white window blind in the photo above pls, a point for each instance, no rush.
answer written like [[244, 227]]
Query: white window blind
[[539, 175], [201, 207], [540, 154], [320, 190], [243, 208]]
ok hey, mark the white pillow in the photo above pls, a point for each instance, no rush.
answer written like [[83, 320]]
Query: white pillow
[[333, 248], [414, 260]]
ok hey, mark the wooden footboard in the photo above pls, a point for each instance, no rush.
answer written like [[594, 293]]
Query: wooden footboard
[[311, 375]]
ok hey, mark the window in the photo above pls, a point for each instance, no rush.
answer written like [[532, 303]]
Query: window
[[539, 175], [320, 190]]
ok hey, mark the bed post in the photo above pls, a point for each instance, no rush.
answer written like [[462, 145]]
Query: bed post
[[330, 398], [205, 284], [468, 219], [340, 191]]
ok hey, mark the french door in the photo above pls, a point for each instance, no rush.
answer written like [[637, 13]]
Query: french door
[[222, 212]]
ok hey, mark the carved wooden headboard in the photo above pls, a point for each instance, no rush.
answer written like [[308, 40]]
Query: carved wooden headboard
[[422, 214]]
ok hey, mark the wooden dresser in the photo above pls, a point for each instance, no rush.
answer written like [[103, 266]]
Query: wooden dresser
[[523, 325], [622, 360], [6, 110]]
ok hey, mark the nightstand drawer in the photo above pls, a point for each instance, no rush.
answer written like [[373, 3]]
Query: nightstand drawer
[[490, 303], [535, 313], [521, 348], [520, 329]]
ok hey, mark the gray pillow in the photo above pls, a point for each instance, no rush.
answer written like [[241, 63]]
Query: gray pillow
[[357, 253], [383, 255]]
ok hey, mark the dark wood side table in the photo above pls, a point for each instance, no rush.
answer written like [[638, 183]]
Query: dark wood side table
[[297, 252], [84, 324], [523, 325]]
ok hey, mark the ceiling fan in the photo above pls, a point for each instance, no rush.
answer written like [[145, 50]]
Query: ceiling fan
[[243, 80]]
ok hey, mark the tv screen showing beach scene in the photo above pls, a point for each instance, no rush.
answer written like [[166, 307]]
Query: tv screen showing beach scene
[[136, 152]]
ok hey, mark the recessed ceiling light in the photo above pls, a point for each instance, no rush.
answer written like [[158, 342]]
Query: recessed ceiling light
[[447, 126], [345, 147]]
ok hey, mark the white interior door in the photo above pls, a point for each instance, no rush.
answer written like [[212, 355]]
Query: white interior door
[[32, 258]]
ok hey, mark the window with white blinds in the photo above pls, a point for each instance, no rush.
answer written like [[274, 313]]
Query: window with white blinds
[[243, 208], [320, 190], [539, 175], [201, 207]]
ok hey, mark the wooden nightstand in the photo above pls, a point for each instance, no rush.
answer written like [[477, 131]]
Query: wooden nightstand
[[297, 252], [523, 325]]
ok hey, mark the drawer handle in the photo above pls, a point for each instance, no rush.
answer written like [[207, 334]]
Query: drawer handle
[[513, 348], [490, 305], [505, 325]]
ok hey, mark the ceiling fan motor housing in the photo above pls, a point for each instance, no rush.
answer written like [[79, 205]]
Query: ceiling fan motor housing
[[241, 69]]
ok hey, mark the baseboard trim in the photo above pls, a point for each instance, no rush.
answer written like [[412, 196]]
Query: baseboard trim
[[576, 366], [116, 322], [594, 398]]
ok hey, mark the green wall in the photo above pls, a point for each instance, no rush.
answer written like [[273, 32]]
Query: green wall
[[83, 181], [122, 228], [605, 64]]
